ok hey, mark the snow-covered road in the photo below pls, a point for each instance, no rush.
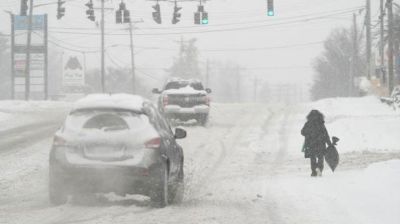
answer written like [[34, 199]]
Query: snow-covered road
[[245, 167]]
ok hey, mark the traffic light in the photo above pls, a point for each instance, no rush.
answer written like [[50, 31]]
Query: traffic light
[[177, 16], [122, 15], [157, 13], [197, 18], [60, 9], [270, 6], [90, 11], [24, 8], [127, 16], [201, 16], [118, 16], [204, 18]]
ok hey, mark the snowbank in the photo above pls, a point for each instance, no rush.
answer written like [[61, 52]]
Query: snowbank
[[362, 124], [369, 196], [15, 113], [12, 106]]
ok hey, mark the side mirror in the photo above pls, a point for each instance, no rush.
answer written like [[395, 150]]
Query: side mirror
[[156, 91], [180, 133], [208, 90]]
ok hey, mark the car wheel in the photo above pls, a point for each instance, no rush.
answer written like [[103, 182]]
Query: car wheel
[[179, 188], [160, 195], [203, 119], [57, 194]]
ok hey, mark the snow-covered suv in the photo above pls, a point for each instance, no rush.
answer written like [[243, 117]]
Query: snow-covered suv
[[184, 100]]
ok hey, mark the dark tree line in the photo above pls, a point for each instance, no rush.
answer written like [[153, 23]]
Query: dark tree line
[[334, 67]]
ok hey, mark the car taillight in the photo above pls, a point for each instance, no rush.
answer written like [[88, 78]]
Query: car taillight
[[57, 141], [153, 143], [165, 100]]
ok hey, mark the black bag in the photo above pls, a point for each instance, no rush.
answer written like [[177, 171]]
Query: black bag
[[332, 155]]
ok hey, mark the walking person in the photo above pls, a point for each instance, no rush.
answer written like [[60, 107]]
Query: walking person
[[316, 141]]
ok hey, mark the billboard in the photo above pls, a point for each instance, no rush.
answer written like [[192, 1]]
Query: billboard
[[38, 57]]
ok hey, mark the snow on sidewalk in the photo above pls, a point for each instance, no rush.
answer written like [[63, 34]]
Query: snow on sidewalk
[[369, 196], [362, 124], [14, 113]]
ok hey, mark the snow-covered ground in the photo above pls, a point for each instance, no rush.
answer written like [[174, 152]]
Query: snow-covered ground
[[19, 113], [244, 167]]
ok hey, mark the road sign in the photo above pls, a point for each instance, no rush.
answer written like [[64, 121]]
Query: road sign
[[73, 71], [38, 57], [22, 22]]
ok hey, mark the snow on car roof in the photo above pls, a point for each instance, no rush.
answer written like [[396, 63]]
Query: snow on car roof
[[175, 79], [185, 90], [114, 101]]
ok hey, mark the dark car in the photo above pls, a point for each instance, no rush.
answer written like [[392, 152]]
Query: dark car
[[184, 100], [116, 143]]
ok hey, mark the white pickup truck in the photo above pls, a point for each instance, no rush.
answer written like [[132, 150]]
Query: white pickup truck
[[184, 100]]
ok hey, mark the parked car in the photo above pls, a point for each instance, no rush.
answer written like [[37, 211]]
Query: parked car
[[116, 143], [184, 100]]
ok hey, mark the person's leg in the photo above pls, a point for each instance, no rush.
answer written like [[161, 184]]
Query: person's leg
[[321, 162], [313, 161]]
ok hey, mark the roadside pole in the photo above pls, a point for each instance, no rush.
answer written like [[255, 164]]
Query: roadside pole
[[12, 56], [133, 68], [354, 56], [28, 53], [389, 5], [103, 88], [368, 37], [46, 58], [382, 40]]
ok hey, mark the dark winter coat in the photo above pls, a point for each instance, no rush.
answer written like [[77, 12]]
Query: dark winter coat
[[316, 137]]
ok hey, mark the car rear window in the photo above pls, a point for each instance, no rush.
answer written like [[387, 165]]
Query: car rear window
[[106, 120], [183, 84]]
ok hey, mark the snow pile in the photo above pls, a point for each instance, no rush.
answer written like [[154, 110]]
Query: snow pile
[[12, 106], [16, 113], [362, 124], [369, 196]]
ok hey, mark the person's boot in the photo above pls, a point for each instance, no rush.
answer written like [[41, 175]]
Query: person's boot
[[313, 173], [319, 172]]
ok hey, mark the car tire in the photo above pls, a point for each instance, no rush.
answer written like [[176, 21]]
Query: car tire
[[179, 188], [57, 193], [160, 195], [203, 119]]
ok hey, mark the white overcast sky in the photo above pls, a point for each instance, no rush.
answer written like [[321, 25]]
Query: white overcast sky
[[234, 24]]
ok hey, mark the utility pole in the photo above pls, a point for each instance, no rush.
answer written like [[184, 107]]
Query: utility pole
[[354, 56], [389, 5], [103, 88], [132, 59], [368, 37], [382, 41], [28, 52]]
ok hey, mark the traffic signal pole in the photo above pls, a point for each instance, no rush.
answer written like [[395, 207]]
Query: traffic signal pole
[[103, 88], [132, 59], [368, 37], [390, 45], [28, 52]]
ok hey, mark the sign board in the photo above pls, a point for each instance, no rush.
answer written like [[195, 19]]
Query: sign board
[[73, 70], [38, 57]]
